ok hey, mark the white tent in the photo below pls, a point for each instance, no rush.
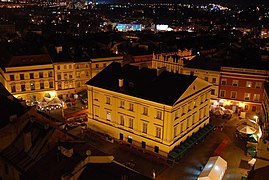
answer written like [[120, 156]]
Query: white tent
[[214, 169]]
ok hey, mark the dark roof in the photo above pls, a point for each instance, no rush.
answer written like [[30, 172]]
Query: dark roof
[[205, 63], [29, 60], [111, 171], [10, 103], [259, 174], [143, 83], [15, 153]]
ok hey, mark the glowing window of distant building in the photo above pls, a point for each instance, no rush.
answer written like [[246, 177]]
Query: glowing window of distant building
[[248, 84]]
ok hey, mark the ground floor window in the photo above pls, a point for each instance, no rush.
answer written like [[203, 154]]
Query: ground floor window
[[143, 144], [253, 108], [130, 139], [156, 149], [121, 136]]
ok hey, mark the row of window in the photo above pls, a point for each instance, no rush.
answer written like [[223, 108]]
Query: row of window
[[249, 84], [247, 96], [30, 76], [32, 87]]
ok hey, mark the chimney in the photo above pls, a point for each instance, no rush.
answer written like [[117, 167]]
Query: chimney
[[120, 83], [160, 70]]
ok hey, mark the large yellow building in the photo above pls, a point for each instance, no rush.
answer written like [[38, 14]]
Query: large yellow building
[[28, 76], [147, 108]]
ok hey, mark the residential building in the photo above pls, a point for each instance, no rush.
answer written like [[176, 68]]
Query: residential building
[[146, 108], [265, 107], [28, 77], [172, 61], [241, 89]]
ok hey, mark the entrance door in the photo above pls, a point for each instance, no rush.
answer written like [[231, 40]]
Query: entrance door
[[143, 144], [121, 136]]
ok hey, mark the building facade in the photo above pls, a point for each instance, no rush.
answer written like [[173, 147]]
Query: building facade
[[146, 110], [242, 89]]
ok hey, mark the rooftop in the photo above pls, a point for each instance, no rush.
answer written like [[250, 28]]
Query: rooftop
[[144, 83]]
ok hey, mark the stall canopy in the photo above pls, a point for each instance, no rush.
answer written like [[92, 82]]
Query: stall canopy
[[214, 169]]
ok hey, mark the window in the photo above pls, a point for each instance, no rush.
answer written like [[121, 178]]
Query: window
[[235, 83], [70, 76], [233, 94], [70, 66], [156, 149], [181, 128], [121, 104], [192, 73], [194, 103], [248, 84], [145, 128], [258, 85], [108, 116], [107, 100], [176, 114], [206, 78], [23, 87], [65, 66], [246, 107], [175, 131], [131, 107], [12, 78], [158, 132], [222, 93], [183, 110], [42, 85], [224, 82], [40, 74], [58, 67], [21, 76], [96, 111], [97, 66], [122, 120], [13, 88], [188, 123], [212, 91], [256, 97], [51, 84], [131, 123], [214, 80], [253, 108], [201, 99], [247, 96], [50, 73], [104, 65], [59, 85], [193, 119], [31, 75], [159, 114], [145, 111], [32, 86], [59, 77]]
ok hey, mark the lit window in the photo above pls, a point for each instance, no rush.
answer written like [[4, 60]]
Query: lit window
[[256, 97], [212, 91], [247, 96], [108, 116], [248, 84], [235, 83]]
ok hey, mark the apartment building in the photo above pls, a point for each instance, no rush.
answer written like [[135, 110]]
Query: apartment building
[[241, 89], [146, 108], [28, 77]]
